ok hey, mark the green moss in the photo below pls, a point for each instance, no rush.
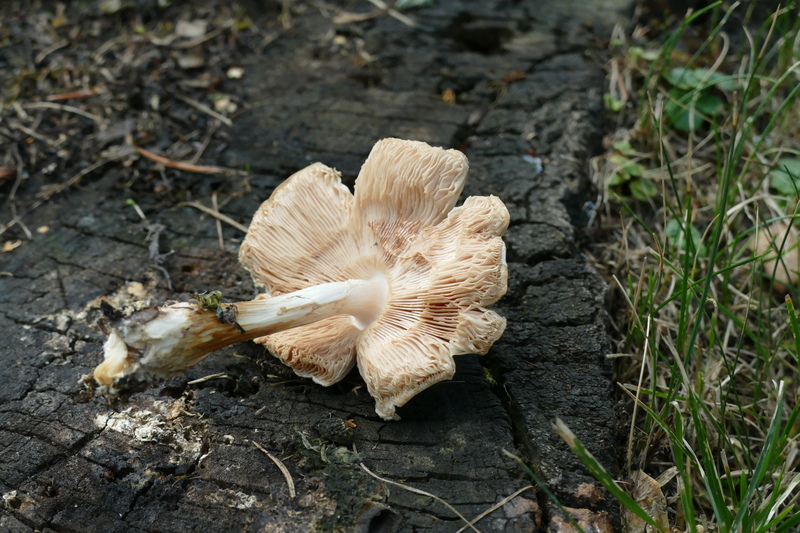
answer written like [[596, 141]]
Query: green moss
[[487, 375], [208, 300]]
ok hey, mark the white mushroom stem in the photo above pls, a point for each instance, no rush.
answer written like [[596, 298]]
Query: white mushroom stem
[[159, 342]]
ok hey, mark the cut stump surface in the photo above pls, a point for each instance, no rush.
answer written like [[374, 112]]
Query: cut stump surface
[[512, 85]]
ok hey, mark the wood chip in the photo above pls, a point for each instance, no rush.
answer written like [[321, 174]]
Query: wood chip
[[10, 246]]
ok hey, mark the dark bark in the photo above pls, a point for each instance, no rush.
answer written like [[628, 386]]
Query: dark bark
[[181, 457]]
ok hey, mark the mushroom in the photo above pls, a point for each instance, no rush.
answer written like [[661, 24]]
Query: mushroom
[[392, 278]]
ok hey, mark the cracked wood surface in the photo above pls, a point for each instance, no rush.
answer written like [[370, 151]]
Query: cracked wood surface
[[181, 457]]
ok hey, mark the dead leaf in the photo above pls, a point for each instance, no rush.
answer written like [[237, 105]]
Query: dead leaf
[[587, 520], [192, 58], [191, 29], [777, 244], [589, 493], [647, 493]]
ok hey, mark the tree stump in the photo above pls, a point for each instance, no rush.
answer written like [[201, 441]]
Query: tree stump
[[510, 84]]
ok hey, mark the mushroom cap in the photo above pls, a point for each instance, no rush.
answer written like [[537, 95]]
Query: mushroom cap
[[443, 266]]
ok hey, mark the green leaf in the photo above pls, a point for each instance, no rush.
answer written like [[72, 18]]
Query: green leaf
[[621, 169], [677, 237], [634, 169], [724, 82], [677, 111], [680, 118], [612, 104], [681, 78], [623, 146], [785, 177], [643, 189], [647, 55], [618, 178], [708, 104], [698, 78]]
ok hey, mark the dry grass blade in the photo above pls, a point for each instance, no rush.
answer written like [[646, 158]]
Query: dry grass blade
[[421, 493], [64, 107], [220, 375], [710, 120], [380, 4], [495, 507], [629, 454], [205, 109], [216, 214], [281, 467]]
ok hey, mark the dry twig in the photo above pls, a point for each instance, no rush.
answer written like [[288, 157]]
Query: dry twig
[[180, 165]]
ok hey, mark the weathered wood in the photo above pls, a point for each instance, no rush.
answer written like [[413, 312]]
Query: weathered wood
[[182, 456]]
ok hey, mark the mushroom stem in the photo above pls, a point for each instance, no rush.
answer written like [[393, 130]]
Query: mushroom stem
[[159, 342]]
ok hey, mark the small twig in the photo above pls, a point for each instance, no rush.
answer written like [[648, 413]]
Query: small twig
[[17, 107], [21, 224], [220, 375], [393, 13], [63, 107], [20, 171], [421, 493], [495, 507], [27, 131], [108, 45], [282, 467], [205, 109], [180, 165], [216, 214], [205, 144], [218, 222], [347, 17], [72, 95], [49, 50]]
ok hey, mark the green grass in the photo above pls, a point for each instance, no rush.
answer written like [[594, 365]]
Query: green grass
[[706, 262]]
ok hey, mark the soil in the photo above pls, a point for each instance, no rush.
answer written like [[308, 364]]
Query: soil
[[121, 117]]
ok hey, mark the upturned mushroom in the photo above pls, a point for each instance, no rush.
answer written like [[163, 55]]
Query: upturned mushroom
[[392, 278]]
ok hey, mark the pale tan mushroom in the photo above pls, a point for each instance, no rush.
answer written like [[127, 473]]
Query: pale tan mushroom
[[393, 278]]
